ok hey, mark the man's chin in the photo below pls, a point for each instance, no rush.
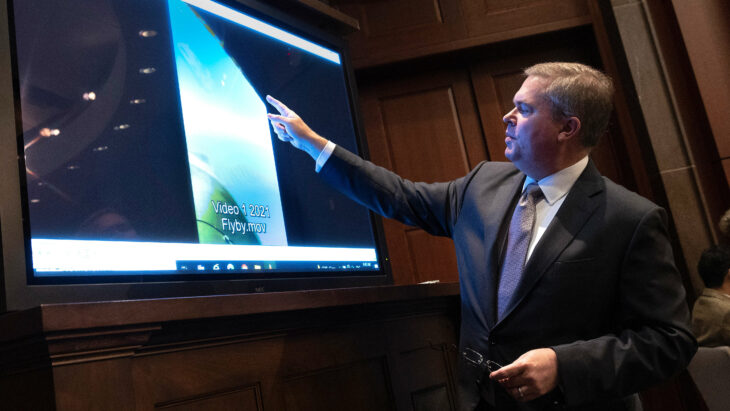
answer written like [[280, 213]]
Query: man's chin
[[509, 154]]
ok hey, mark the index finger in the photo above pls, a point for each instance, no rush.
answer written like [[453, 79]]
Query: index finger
[[508, 371], [278, 105]]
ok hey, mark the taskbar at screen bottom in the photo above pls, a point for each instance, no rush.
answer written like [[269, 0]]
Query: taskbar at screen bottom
[[185, 267], [225, 268], [58, 257]]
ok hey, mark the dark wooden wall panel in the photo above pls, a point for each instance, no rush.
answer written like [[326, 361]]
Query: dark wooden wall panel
[[358, 358], [425, 128], [390, 27], [351, 349], [398, 16], [362, 386], [219, 373], [426, 139], [398, 30], [96, 385], [432, 399], [246, 398], [31, 389], [434, 257], [426, 387], [419, 365], [496, 16]]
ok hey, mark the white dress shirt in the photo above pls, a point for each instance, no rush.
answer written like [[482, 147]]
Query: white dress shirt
[[555, 187], [324, 155]]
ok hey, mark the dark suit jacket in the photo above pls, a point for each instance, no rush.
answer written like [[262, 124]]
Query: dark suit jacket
[[600, 288]]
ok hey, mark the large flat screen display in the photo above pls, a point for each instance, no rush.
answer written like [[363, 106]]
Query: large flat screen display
[[146, 155]]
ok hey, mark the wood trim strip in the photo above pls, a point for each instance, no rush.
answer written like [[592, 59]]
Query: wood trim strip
[[60, 317], [407, 54]]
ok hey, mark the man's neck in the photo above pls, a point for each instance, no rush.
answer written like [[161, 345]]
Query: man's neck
[[561, 162], [579, 167]]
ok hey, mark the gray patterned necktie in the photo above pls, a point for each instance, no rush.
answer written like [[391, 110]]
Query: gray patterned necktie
[[518, 241]]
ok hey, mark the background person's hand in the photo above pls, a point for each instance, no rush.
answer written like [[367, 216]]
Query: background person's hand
[[289, 127], [532, 375]]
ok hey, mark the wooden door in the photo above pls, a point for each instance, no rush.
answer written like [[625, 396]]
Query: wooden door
[[424, 127]]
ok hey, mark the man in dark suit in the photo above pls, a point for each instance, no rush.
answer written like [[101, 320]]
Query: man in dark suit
[[567, 279]]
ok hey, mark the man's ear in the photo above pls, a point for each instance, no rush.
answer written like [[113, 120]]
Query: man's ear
[[570, 130]]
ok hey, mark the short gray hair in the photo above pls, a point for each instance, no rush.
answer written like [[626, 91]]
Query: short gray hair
[[578, 90]]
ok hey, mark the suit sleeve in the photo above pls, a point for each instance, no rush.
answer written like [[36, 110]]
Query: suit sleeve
[[652, 341], [432, 207]]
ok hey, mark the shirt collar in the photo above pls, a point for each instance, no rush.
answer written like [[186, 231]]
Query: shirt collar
[[711, 292], [556, 186]]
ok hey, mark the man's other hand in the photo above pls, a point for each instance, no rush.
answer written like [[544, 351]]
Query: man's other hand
[[532, 375], [289, 127]]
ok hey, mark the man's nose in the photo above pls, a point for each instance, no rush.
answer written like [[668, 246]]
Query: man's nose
[[509, 117]]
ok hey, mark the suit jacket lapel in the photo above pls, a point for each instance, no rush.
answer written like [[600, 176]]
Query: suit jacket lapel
[[577, 208]]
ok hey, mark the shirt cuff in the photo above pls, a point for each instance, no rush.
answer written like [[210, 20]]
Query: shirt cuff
[[324, 155]]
